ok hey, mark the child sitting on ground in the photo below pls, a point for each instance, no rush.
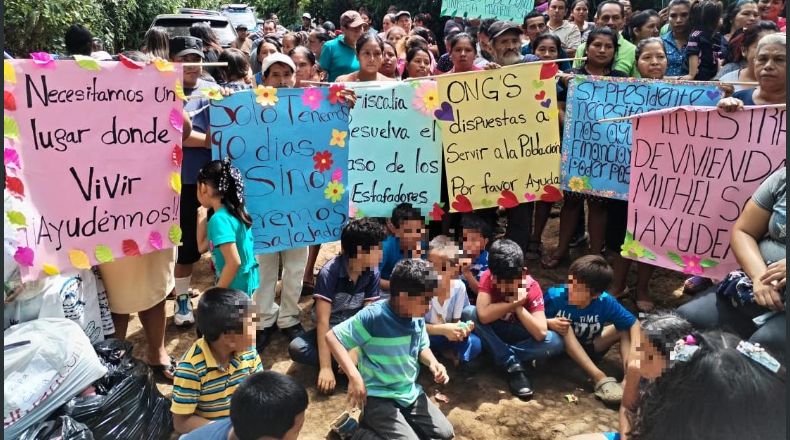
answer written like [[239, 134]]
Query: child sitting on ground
[[475, 233], [345, 284], [214, 366], [267, 405], [509, 316], [584, 305], [445, 330], [407, 226], [391, 339]]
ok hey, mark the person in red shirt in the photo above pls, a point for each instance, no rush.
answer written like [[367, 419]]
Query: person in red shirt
[[509, 316]]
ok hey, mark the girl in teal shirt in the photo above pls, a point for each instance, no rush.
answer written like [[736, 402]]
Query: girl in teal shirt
[[221, 189]]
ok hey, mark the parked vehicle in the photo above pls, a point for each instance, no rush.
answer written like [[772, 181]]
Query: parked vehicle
[[179, 24], [238, 14]]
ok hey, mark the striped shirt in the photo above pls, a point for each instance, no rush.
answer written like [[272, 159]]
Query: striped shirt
[[389, 347], [201, 388]]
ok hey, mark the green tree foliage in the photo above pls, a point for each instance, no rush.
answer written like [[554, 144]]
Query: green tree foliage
[[32, 26]]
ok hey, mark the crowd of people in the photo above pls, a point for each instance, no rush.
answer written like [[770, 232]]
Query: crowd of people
[[399, 294]]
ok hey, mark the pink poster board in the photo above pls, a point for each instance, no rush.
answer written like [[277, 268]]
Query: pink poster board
[[692, 171], [93, 153]]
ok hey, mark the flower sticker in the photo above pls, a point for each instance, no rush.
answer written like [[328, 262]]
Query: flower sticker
[[338, 138], [579, 184], [633, 248], [337, 175], [266, 96], [692, 264], [426, 98], [436, 213], [43, 59], [336, 94], [334, 191], [212, 93], [311, 98], [323, 161]]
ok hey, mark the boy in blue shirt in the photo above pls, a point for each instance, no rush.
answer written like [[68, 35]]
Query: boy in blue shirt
[[584, 304], [475, 233], [391, 341], [407, 226], [344, 285]]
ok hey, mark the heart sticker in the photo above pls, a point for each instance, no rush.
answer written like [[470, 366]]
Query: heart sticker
[[537, 84], [551, 194], [540, 95], [462, 204], [445, 112], [508, 199], [530, 197], [713, 94], [546, 103], [548, 70]]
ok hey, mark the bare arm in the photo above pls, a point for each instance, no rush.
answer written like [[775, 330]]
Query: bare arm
[[489, 312], [188, 423], [326, 378], [202, 230], [630, 396], [232, 263], [693, 66], [534, 322], [357, 393], [437, 369], [752, 225]]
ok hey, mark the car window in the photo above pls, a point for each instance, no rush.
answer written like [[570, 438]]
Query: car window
[[180, 27], [238, 17]]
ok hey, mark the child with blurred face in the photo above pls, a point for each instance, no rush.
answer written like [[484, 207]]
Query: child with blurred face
[[407, 226], [474, 261], [392, 340]]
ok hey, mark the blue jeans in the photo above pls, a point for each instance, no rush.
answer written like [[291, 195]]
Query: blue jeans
[[510, 343], [467, 349]]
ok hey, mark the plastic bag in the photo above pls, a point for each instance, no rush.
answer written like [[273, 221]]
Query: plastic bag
[[127, 404], [63, 428]]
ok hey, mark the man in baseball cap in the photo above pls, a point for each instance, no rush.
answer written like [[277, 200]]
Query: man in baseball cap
[[339, 56], [506, 42], [278, 71], [181, 46], [403, 19], [307, 22]]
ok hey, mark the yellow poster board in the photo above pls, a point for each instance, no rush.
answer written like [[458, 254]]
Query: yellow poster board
[[501, 136]]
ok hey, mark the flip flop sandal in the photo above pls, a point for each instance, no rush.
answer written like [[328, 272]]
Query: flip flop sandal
[[609, 390], [696, 284], [164, 373]]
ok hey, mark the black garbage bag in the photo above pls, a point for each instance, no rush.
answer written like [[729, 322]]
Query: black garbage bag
[[127, 404], [62, 428]]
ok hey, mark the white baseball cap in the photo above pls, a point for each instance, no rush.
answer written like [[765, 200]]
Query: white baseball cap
[[277, 58]]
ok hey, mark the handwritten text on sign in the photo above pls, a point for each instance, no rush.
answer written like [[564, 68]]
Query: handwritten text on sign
[[513, 10], [693, 172], [395, 149], [596, 156], [291, 148], [500, 136], [89, 151]]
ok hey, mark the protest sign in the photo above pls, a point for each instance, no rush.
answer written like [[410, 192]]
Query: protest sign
[[512, 10], [291, 148], [500, 136], [90, 152], [693, 170], [395, 149], [596, 156]]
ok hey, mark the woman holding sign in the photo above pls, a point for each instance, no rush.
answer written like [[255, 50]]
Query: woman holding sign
[[770, 70], [600, 51], [651, 62]]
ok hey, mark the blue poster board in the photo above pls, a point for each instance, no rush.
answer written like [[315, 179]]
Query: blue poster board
[[596, 156], [291, 147], [395, 152]]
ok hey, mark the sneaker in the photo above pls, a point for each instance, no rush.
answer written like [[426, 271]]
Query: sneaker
[[344, 426], [518, 382], [293, 332], [578, 240], [183, 315]]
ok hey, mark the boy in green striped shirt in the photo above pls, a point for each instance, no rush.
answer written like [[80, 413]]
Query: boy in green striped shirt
[[391, 341]]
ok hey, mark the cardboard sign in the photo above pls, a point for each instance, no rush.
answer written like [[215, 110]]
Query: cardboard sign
[[395, 150], [500, 136], [596, 156], [291, 146], [511, 10], [90, 152], [693, 171]]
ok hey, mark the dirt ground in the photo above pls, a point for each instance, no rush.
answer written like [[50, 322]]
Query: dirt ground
[[479, 407]]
